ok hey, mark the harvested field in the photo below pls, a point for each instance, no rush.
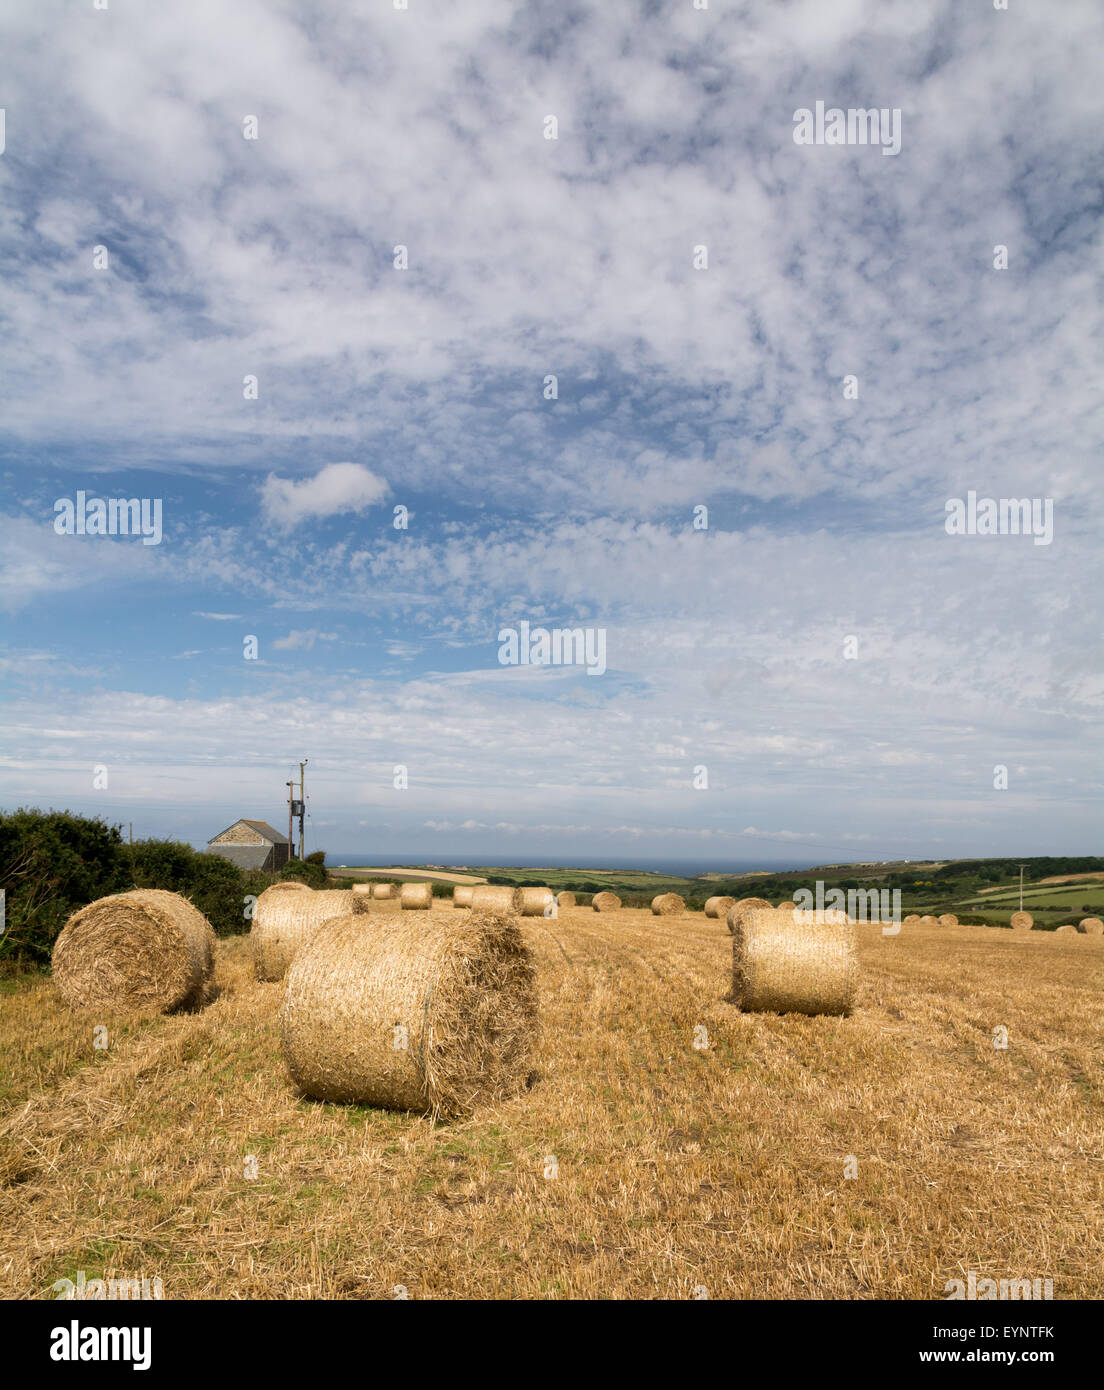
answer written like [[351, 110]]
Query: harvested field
[[674, 1167]]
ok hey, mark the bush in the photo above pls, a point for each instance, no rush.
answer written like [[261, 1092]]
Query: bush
[[318, 857], [304, 871], [51, 863], [442, 890]]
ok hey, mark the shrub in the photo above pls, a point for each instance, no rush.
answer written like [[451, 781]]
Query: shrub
[[212, 883], [313, 875], [318, 857]]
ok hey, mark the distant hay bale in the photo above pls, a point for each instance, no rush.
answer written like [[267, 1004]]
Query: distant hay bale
[[605, 902], [535, 900], [930, 921], [782, 966], [1067, 930], [283, 922], [496, 897], [911, 918], [1022, 921], [742, 906], [462, 895], [384, 890], [1091, 926], [395, 1016], [786, 907], [565, 899], [719, 906], [664, 904], [416, 897], [142, 952], [948, 919]]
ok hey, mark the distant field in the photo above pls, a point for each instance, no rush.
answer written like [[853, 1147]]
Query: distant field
[[434, 875], [674, 1168]]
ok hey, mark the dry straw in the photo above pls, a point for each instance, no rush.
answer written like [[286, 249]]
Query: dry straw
[[1091, 926], [495, 897], [1068, 930], [141, 952], [416, 897], [535, 900], [437, 1022], [718, 907], [605, 902], [745, 905], [565, 899], [1022, 921], [283, 922], [462, 895], [664, 904], [948, 919], [782, 966]]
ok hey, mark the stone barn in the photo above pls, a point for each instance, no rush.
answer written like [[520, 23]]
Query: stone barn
[[252, 844]]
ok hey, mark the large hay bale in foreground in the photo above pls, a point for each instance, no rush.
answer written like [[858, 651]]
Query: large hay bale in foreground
[[781, 966], [718, 906], [605, 902], [396, 1016], [462, 895], [565, 899], [496, 897], [292, 883], [1067, 930], [283, 922], [1022, 921], [534, 901], [142, 952], [416, 897], [1091, 926], [948, 919], [745, 905], [664, 904]]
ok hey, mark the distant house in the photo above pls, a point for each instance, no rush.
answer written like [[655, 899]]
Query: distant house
[[252, 844]]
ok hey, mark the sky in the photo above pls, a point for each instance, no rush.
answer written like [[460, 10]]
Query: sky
[[740, 475]]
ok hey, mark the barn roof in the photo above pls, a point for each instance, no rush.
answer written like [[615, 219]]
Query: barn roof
[[262, 827]]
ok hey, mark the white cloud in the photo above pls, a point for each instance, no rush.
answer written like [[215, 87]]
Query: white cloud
[[339, 487], [302, 640]]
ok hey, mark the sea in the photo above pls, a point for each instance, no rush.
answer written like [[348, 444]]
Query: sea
[[681, 868]]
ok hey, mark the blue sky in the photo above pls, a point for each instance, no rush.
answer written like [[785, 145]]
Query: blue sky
[[677, 388]]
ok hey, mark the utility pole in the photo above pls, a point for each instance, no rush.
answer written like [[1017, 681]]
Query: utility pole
[[302, 806], [1022, 867], [291, 831], [132, 832]]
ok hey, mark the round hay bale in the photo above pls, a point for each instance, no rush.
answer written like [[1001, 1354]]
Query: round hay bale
[[1091, 926], [781, 966], [565, 899], [929, 921], [142, 952], [289, 883], [496, 897], [911, 919], [384, 890], [283, 922], [535, 900], [1067, 930], [416, 897], [948, 919], [786, 907], [462, 895], [718, 906], [605, 902], [1022, 921], [395, 1016], [745, 905], [664, 904]]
